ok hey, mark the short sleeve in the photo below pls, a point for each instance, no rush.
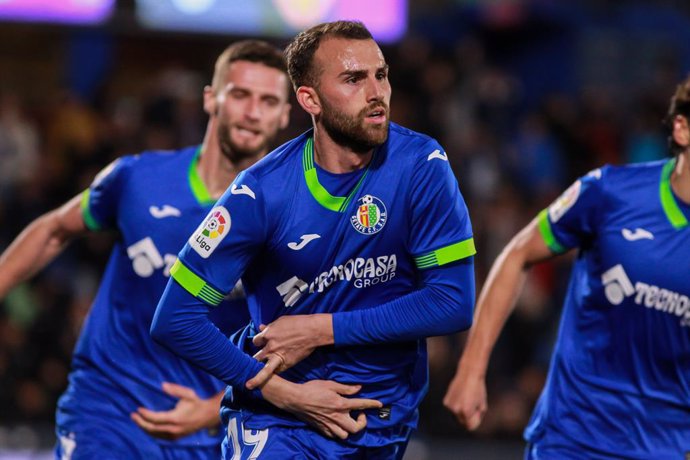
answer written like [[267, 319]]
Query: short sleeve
[[571, 220], [223, 245], [100, 202], [440, 227]]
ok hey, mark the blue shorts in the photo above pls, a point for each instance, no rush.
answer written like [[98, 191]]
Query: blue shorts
[[108, 436], [298, 443]]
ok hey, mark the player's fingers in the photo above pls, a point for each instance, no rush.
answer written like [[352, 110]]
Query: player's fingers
[[360, 423], [159, 431], [179, 391], [474, 420], [259, 339], [343, 389], [262, 327], [337, 430], [362, 404], [156, 417], [272, 363], [260, 355]]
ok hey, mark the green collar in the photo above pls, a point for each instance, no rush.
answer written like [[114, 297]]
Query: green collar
[[199, 190], [320, 194], [668, 201]]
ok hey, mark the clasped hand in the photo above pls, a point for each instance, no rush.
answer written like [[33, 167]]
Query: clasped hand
[[287, 341]]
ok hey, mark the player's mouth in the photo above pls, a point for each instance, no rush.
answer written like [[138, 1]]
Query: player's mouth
[[377, 115], [244, 133]]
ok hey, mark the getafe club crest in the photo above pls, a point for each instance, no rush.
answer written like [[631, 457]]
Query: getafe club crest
[[210, 233], [370, 216]]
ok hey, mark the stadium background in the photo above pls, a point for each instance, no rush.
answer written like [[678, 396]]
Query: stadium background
[[524, 95]]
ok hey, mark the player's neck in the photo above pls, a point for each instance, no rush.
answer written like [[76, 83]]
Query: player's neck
[[217, 171], [680, 179], [337, 158]]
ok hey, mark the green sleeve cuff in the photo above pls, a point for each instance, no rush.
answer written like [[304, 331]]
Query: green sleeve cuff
[[547, 233], [447, 254], [91, 223], [196, 286]]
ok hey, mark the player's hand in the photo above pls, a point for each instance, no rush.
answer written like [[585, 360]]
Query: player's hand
[[324, 405], [190, 414], [287, 341], [466, 398]]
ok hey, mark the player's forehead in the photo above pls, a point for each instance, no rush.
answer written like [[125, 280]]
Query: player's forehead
[[256, 77], [336, 55]]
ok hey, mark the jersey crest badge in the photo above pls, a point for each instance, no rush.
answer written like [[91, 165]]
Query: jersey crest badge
[[211, 232], [370, 215]]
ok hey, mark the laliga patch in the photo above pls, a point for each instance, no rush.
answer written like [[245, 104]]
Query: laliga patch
[[211, 232], [105, 172], [564, 202], [370, 216]]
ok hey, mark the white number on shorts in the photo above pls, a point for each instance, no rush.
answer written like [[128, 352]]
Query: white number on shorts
[[256, 438]]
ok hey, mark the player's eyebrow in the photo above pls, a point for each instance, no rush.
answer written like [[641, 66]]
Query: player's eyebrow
[[360, 73]]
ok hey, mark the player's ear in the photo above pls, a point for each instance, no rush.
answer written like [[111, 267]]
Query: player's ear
[[309, 100], [209, 101], [681, 131]]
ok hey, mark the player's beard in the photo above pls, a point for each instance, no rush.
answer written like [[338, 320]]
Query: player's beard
[[234, 151], [351, 131]]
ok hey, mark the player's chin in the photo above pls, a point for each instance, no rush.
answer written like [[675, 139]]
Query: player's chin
[[377, 134]]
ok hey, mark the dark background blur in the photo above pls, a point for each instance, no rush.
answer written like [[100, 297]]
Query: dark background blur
[[525, 96]]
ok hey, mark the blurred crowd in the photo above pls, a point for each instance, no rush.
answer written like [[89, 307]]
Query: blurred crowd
[[512, 153]]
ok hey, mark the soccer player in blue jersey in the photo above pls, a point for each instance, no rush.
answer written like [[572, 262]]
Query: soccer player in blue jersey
[[120, 378], [354, 245], [619, 381]]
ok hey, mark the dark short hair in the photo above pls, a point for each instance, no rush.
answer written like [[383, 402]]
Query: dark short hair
[[680, 105], [680, 101], [300, 52], [257, 51]]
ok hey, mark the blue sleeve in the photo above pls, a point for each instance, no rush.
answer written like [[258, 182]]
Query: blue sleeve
[[440, 240], [571, 220], [100, 202], [181, 324], [443, 306], [440, 228], [226, 241], [207, 269]]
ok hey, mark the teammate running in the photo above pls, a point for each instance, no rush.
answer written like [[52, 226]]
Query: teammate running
[[619, 381], [120, 378]]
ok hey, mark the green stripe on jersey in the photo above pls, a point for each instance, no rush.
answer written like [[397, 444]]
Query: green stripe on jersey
[[447, 254], [547, 233], [668, 201], [195, 285], [91, 223], [198, 187], [318, 191]]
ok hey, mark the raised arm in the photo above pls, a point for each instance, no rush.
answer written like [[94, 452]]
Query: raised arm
[[466, 395], [39, 243]]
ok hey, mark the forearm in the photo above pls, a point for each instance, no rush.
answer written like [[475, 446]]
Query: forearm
[[499, 295], [443, 306], [496, 302], [34, 248], [181, 324]]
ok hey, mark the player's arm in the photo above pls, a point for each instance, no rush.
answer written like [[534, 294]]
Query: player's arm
[[39, 243], [569, 222], [466, 395], [181, 324]]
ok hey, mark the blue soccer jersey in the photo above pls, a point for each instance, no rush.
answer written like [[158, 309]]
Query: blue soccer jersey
[[619, 383], [309, 242], [152, 200]]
